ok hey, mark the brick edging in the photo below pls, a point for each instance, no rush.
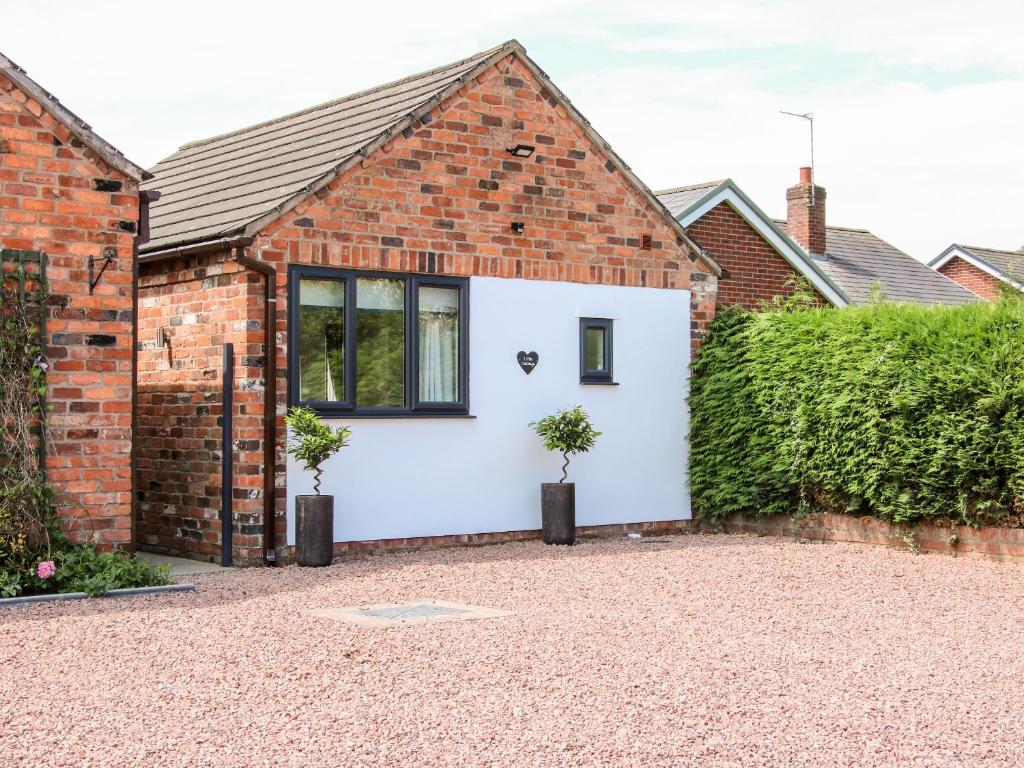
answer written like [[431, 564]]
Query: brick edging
[[990, 543], [500, 537]]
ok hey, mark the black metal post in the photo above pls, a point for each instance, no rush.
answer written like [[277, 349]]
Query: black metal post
[[227, 454]]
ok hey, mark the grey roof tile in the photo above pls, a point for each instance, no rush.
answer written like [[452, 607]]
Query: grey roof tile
[[215, 187], [1006, 262], [857, 260], [238, 182], [678, 199]]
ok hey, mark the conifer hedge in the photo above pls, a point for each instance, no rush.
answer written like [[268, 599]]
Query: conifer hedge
[[899, 411]]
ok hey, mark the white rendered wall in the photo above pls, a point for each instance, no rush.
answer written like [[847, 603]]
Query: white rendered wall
[[425, 477]]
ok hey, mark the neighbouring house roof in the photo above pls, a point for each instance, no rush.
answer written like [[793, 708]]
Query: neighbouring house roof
[[1007, 266], [680, 200], [239, 182], [690, 203], [858, 260], [47, 101]]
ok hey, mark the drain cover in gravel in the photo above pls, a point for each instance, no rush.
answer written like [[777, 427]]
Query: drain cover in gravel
[[422, 612]]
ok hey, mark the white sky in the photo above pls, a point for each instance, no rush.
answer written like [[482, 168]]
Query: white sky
[[919, 104]]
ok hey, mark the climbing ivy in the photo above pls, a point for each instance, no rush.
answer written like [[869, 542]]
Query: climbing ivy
[[27, 510]]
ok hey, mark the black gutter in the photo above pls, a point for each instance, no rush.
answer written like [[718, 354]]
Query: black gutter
[[197, 249]]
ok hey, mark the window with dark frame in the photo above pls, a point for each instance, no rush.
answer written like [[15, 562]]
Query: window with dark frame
[[378, 344], [595, 351]]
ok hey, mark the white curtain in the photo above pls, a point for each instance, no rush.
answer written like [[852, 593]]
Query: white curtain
[[439, 357], [439, 344]]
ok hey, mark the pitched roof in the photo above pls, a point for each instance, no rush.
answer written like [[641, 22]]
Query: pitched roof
[[857, 260], [237, 183], [690, 203], [108, 152], [679, 199], [1004, 265]]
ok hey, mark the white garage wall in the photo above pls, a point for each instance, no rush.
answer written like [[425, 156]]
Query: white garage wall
[[425, 477]]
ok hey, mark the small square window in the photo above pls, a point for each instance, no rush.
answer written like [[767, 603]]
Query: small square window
[[595, 351]]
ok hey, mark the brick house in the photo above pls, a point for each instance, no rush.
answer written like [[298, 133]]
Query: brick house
[[759, 255], [435, 262], [982, 271], [67, 193]]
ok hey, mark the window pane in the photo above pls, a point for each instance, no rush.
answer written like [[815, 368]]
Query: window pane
[[321, 339], [439, 344], [594, 360], [380, 343]]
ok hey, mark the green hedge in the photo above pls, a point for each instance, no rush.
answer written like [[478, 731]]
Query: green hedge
[[899, 411]]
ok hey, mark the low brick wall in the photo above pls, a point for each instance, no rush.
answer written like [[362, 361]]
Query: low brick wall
[[962, 540]]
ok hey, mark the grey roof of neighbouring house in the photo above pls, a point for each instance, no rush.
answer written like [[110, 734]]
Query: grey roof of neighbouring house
[[110, 154], [857, 260], [239, 182], [680, 199], [687, 203], [1006, 263]]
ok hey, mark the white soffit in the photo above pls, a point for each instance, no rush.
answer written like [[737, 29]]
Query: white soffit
[[796, 259], [955, 251]]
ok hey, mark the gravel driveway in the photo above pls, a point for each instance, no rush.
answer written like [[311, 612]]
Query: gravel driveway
[[689, 650]]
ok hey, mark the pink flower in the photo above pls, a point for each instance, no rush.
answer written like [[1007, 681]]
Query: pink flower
[[46, 569]]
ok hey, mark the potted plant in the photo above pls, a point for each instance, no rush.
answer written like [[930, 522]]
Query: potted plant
[[567, 432], [312, 442]]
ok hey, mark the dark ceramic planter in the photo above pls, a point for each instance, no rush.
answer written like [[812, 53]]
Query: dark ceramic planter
[[314, 530], [558, 513]]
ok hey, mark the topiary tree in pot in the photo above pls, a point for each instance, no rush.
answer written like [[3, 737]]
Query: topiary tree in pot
[[312, 442], [567, 432]]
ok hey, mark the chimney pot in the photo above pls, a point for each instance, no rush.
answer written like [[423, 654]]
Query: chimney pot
[[805, 175]]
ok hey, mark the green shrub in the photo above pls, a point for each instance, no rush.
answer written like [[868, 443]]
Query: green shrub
[[567, 432], [81, 568], [899, 411], [312, 442]]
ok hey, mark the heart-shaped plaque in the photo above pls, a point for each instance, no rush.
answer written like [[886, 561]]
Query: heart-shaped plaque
[[528, 361]]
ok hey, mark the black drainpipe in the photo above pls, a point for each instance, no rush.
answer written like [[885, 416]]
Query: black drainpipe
[[269, 398], [141, 238]]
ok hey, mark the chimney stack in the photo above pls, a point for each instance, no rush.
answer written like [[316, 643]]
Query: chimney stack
[[805, 214]]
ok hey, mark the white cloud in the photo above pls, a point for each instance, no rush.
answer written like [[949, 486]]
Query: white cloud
[[918, 129]]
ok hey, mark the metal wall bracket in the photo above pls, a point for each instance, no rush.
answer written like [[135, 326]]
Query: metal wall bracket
[[94, 278]]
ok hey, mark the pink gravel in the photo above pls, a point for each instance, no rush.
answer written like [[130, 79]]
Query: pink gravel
[[699, 650]]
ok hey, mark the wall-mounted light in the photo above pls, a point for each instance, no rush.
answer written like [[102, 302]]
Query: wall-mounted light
[[161, 338], [518, 227], [520, 150]]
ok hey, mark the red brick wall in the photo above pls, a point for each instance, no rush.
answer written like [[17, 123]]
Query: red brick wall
[[57, 196], [200, 303], [753, 271], [443, 200], [975, 280]]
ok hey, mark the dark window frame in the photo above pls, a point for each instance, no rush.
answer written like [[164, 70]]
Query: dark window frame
[[588, 375], [349, 408]]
